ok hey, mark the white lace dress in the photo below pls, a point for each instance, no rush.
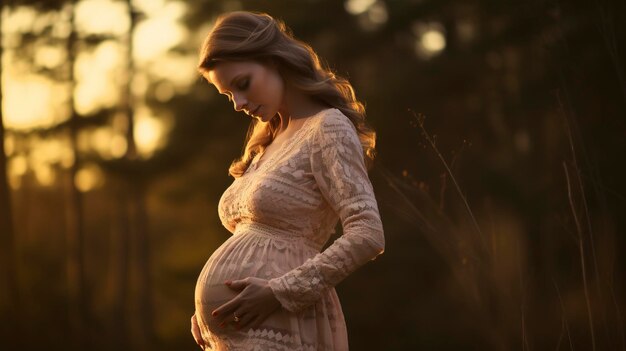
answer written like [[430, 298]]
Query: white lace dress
[[281, 214]]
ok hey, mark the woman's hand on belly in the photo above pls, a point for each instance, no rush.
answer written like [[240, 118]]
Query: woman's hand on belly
[[195, 331], [254, 303]]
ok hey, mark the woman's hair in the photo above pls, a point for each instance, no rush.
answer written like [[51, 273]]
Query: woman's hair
[[256, 36]]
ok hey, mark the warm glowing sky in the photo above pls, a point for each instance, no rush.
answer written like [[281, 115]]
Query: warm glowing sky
[[33, 100]]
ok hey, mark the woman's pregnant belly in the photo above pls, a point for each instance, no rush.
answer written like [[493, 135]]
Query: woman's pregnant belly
[[245, 254]]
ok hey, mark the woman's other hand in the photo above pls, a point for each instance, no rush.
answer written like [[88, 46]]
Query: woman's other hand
[[195, 331], [254, 303]]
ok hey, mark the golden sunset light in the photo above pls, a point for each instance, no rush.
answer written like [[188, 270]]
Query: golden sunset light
[[102, 17], [154, 36], [89, 177], [150, 131], [99, 75], [430, 40], [32, 101]]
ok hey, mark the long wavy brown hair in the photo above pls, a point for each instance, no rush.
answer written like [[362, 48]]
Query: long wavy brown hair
[[257, 36]]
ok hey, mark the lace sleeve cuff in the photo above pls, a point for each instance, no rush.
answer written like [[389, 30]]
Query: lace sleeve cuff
[[298, 288]]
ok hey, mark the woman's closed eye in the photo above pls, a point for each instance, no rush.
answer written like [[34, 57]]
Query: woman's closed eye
[[241, 87], [245, 85]]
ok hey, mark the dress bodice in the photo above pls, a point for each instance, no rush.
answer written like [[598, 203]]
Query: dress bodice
[[281, 193]]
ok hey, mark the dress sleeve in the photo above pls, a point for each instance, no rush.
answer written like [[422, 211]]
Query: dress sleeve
[[337, 163]]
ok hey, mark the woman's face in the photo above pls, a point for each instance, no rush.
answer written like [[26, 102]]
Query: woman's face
[[255, 88]]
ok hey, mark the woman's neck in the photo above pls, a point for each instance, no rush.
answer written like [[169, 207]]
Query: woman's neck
[[297, 106]]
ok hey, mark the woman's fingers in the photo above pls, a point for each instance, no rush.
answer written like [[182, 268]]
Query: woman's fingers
[[224, 313], [238, 284], [255, 299], [195, 331], [225, 309]]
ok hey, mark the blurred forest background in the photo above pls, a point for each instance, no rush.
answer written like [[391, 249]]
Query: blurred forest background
[[500, 173]]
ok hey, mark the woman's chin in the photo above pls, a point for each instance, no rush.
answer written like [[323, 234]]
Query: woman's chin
[[261, 118]]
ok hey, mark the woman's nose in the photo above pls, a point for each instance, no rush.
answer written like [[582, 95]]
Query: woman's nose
[[240, 103]]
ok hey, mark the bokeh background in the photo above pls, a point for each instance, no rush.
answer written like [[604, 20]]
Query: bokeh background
[[500, 171]]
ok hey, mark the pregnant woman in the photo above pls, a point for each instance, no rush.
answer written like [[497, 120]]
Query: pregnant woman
[[304, 167]]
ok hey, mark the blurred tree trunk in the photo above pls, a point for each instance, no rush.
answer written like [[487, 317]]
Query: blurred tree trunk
[[118, 269], [136, 182], [9, 294], [75, 259], [141, 253]]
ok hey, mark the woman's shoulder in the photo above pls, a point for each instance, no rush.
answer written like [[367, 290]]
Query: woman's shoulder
[[332, 119], [333, 128]]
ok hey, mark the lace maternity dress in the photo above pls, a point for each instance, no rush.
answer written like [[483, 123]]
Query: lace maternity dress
[[281, 213]]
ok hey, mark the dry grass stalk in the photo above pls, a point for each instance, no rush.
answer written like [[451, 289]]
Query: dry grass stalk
[[582, 254], [420, 121]]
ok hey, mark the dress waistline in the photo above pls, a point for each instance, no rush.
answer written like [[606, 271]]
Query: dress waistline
[[276, 234]]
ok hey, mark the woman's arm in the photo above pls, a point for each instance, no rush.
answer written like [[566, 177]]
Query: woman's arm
[[338, 166]]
